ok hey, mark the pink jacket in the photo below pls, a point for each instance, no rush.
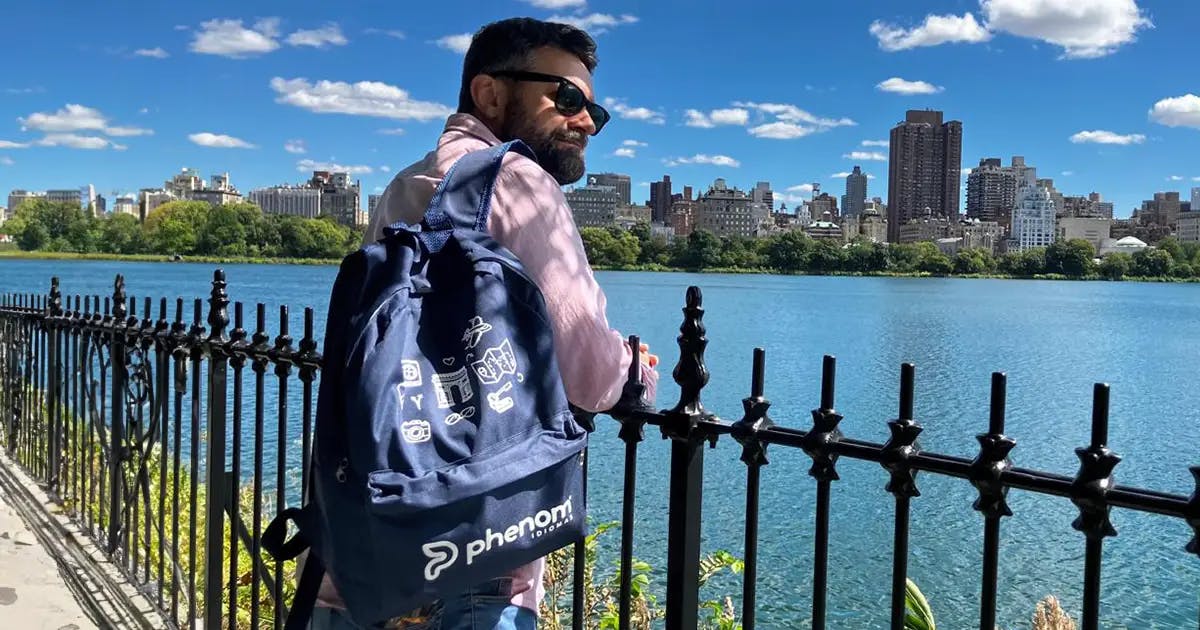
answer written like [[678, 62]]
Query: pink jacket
[[529, 216]]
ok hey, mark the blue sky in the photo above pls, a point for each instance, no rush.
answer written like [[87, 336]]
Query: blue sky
[[1101, 95]]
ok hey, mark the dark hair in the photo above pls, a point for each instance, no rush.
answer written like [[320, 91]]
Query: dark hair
[[508, 44]]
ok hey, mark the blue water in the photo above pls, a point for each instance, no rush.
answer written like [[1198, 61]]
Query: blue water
[[1053, 339]]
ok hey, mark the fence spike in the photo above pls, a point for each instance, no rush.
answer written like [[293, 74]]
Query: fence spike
[[690, 372], [118, 300], [56, 309], [218, 308], [1092, 483], [902, 445]]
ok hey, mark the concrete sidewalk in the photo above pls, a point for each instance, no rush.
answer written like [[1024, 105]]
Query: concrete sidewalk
[[33, 593], [52, 574]]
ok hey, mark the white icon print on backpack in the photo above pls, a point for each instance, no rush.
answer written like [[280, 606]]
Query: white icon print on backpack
[[498, 401], [456, 417], [447, 383], [417, 398], [474, 333], [411, 370], [416, 431], [496, 363]]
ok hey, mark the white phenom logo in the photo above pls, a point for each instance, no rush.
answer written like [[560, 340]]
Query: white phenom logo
[[443, 554]]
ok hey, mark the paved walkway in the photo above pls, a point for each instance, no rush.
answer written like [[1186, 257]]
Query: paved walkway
[[33, 593]]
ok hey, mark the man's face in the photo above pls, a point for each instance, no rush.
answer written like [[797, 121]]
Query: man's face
[[530, 115]]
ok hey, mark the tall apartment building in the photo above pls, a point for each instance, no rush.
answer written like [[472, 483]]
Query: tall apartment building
[[924, 169], [856, 193], [660, 200], [1163, 209], [17, 197], [593, 205], [125, 204], [726, 211], [151, 198], [618, 181], [991, 191], [300, 201], [823, 207], [1034, 221], [1188, 227], [372, 203], [762, 194], [1196, 199]]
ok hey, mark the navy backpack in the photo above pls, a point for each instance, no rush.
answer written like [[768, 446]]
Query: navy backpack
[[445, 452]]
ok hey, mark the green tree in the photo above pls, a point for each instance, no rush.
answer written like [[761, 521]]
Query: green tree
[[866, 257], [223, 233], [1116, 266], [33, 237], [176, 226], [1151, 263], [1024, 264], [904, 257], [597, 242], [740, 252], [703, 250], [1071, 258], [121, 234], [1172, 246], [327, 237], [973, 261], [789, 251], [827, 256], [1182, 270]]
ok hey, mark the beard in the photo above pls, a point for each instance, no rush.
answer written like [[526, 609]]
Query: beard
[[564, 163]]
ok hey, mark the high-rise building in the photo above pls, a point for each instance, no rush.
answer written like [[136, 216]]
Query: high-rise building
[[618, 181], [1196, 199], [762, 194], [856, 193], [924, 169], [184, 182], [1034, 219], [125, 204], [151, 198], [1094, 230], [823, 207], [991, 191], [660, 200], [100, 205], [593, 205], [300, 201], [339, 197], [372, 203], [726, 211], [1188, 227], [17, 197], [1162, 210], [1055, 196]]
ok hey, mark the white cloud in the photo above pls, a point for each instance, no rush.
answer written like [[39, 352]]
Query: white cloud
[[395, 131], [595, 23], [328, 35], [1084, 30], [385, 169], [625, 152], [875, 143], [219, 141], [731, 116], [866, 155], [1068, 173], [897, 85], [802, 188], [965, 171], [73, 117], [365, 98], [157, 53], [228, 38], [76, 141], [558, 5], [9, 144], [936, 29], [701, 158], [457, 43], [7, 161], [29, 90], [389, 32], [379, 189], [311, 165], [144, 110], [294, 146], [1196, 179], [633, 143], [1100, 136], [799, 119], [1179, 111], [845, 174], [1175, 178], [780, 130], [626, 111]]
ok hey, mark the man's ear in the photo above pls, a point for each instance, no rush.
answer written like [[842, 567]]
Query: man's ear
[[490, 96]]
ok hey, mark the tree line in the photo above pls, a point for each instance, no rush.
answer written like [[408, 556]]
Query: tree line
[[179, 228], [796, 252]]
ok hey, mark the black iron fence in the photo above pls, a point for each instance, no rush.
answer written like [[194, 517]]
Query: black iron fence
[[139, 426]]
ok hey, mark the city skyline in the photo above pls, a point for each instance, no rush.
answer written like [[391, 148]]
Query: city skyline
[[270, 98]]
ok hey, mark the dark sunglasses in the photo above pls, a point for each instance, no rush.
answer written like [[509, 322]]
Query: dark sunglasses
[[569, 100]]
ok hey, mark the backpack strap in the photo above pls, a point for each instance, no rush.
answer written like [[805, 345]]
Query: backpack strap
[[464, 198]]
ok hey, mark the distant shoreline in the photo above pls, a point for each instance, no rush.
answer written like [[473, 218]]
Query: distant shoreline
[[15, 254]]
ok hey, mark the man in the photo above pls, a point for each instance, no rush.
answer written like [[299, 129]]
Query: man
[[529, 80]]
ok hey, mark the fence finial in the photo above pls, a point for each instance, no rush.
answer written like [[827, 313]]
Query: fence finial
[[690, 373], [218, 308], [56, 309], [118, 300]]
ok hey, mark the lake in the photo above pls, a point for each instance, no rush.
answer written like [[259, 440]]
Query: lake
[[1053, 339]]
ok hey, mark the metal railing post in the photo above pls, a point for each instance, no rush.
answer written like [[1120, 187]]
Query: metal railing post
[[687, 470], [54, 413], [218, 361], [116, 413]]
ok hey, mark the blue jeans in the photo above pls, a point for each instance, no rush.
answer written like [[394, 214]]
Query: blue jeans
[[485, 607]]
